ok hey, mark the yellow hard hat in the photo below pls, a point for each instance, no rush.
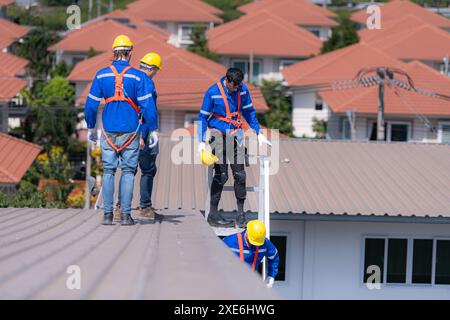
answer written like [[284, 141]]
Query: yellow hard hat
[[122, 42], [256, 232], [208, 158], [152, 59]]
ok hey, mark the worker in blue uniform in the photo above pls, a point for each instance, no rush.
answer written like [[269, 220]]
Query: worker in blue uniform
[[251, 246], [128, 104], [223, 106]]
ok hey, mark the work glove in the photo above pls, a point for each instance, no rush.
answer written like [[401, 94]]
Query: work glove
[[92, 136], [269, 282], [262, 139], [153, 139]]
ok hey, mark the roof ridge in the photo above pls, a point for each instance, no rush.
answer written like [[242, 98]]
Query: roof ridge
[[286, 25]]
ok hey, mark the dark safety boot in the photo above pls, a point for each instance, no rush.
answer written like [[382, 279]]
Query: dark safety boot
[[215, 219], [241, 221], [107, 219], [126, 220]]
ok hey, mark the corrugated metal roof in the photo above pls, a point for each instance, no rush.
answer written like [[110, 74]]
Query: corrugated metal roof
[[178, 258], [16, 156], [326, 177]]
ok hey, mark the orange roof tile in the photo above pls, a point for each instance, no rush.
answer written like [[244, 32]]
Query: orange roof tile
[[16, 156], [300, 12], [181, 84], [12, 65], [424, 42], [342, 64], [397, 101], [10, 86], [393, 10], [9, 32], [251, 34], [100, 35], [263, 4], [6, 2], [173, 10]]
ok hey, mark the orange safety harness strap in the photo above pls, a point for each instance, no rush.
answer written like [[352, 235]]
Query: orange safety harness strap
[[229, 115], [119, 95], [241, 251]]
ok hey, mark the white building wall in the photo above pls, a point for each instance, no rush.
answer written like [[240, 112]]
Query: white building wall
[[325, 259], [303, 113]]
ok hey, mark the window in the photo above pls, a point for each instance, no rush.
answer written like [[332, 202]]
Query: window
[[244, 65], [286, 63], [374, 255], [393, 131], [185, 32], [398, 132], [442, 262], [422, 261], [444, 133], [316, 32], [75, 60], [280, 243], [394, 255], [396, 269], [318, 103]]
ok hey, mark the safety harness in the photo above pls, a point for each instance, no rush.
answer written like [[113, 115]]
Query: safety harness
[[241, 251], [229, 115], [120, 95]]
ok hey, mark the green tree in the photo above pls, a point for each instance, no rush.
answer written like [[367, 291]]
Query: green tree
[[200, 42], [53, 118], [320, 128], [229, 8], [61, 70], [342, 35], [279, 115], [34, 48]]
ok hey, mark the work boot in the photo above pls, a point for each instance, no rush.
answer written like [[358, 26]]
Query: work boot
[[117, 214], [241, 220], [126, 220], [149, 213], [216, 220], [107, 219]]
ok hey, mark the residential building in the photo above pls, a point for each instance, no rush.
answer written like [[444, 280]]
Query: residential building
[[409, 116], [176, 16], [340, 212], [11, 170], [181, 84], [303, 13], [393, 10], [410, 38], [96, 36], [268, 41], [9, 33]]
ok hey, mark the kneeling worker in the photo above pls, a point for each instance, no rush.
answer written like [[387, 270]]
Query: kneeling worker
[[251, 245]]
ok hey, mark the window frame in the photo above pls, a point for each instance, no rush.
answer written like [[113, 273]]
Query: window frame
[[388, 132], [180, 33], [440, 129], [247, 67], [409, 260]]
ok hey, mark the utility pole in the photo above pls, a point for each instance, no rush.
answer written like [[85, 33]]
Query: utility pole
[[351, 115], [446, 61], [99, 13], [90, 10], [380, 118], [111, 5]]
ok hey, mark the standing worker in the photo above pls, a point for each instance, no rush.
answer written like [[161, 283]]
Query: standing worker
[[251, 245], [223, 105], [150, 64], [128, 102]]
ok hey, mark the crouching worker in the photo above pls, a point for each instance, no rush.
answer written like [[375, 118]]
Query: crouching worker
[[128, 102], [251, 246]]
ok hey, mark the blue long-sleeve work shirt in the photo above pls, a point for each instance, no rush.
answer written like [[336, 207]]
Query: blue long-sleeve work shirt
[[149, 127], [119, 116], [266, 250], [213, 104]]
